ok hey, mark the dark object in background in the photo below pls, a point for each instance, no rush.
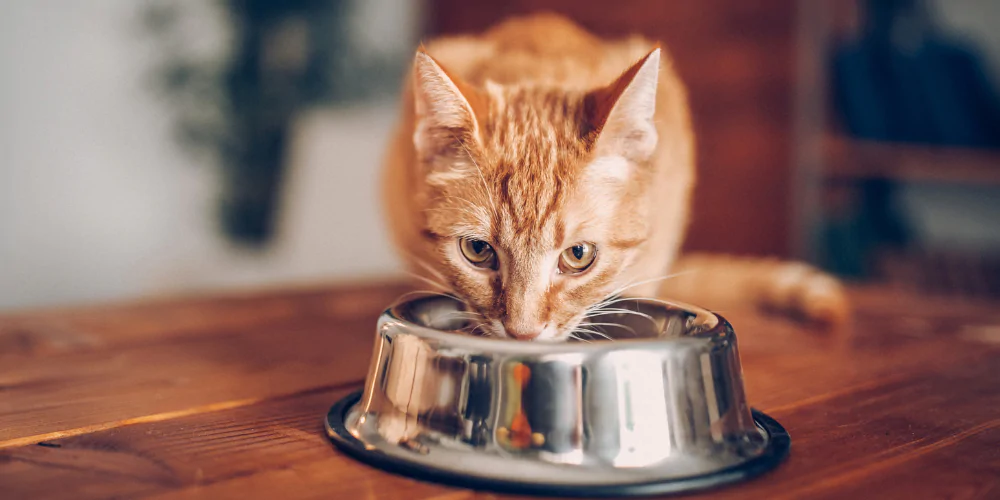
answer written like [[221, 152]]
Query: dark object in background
[[904, 81], [864, 222], [286, 55], [265, 86]]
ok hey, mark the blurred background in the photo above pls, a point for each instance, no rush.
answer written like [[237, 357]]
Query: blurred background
[[179, 146]]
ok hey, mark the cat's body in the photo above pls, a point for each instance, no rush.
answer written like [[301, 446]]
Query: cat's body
[[538, 170]]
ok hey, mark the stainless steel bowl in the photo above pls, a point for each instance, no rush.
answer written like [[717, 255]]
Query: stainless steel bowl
[[659, 409]]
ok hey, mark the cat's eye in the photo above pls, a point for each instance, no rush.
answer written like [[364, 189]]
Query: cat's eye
[[577, 258], [478, 253]]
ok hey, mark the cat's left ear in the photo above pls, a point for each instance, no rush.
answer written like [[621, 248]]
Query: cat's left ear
[[620, 116]]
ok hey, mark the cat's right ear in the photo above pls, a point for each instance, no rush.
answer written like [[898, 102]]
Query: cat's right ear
[[445, 109]]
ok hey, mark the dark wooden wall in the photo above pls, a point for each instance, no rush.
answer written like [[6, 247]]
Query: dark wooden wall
[[736, 57]]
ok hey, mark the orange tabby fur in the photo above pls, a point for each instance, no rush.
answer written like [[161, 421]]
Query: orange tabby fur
[[537, 135]]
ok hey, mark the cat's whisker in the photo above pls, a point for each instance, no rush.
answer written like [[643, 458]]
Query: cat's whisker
[[592, 333], [467, 318], [604, 302], [489, 331], [618, 325], [583, 328], [424, 292], [429, 268], [431, 282], [406, 295], [597, 336], [465, 313], [665, 277], [485, 333], [651, 299], [615, 295], [610, 311]]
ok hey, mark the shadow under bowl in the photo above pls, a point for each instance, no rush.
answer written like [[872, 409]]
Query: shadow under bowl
[[657, 406]]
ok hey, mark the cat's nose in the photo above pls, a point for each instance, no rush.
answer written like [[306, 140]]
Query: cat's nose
[[519, 332]]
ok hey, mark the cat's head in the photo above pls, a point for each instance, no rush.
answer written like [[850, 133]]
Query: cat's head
[[534, 196]]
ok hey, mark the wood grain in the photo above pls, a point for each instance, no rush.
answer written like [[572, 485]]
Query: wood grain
[[200, 404], [176, 362]]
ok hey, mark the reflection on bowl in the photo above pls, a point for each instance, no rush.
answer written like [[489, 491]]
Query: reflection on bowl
[[658, 408]]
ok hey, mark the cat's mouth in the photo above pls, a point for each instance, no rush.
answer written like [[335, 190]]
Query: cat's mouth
[[493, 328], [588, 326], [468, 320]]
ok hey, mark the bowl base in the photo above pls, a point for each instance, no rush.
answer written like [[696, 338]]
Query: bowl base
[[776, 450]]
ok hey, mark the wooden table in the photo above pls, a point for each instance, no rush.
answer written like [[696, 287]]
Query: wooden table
[[223, 397]]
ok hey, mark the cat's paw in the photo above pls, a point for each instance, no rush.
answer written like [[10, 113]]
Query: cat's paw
[[824, 300], [807, 293]]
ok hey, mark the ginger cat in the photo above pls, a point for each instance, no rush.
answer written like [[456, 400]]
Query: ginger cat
[[539, 171]]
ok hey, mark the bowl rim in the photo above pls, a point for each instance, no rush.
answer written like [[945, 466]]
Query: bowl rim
[[718, 331]]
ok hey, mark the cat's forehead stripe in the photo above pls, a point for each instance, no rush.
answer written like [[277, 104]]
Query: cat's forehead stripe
[[533, 145]]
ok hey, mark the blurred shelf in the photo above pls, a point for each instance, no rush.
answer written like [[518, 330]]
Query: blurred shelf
[[950, 272], [853, 160]]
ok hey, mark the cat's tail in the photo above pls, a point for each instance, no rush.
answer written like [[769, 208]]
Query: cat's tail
[[718, 282]]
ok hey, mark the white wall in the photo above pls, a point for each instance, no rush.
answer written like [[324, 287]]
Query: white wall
[[97, 203]]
